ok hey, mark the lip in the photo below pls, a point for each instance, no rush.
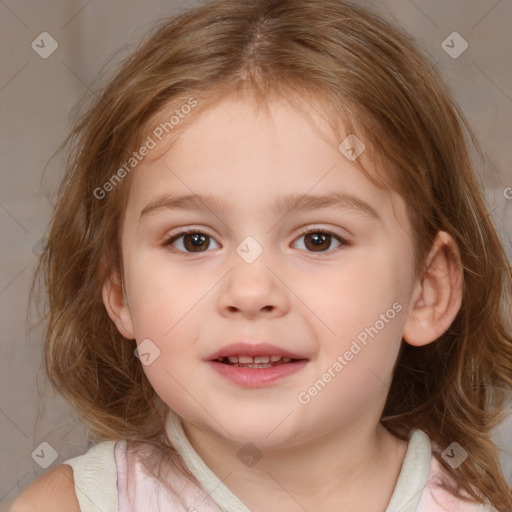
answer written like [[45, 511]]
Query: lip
[[257, 377], [242, 348]]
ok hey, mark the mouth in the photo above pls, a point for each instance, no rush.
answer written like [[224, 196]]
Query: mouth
[[255, 364], [244, 361], [243, 352]]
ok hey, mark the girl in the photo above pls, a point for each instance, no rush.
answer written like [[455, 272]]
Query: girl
[[272, 279]]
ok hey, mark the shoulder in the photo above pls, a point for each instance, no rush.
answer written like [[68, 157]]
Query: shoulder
[[54, 491], [439, 494]]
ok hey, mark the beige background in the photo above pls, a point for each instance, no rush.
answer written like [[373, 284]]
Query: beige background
[[36, 98]]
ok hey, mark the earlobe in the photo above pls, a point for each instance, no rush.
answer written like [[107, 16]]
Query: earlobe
[[116, 305], [438, 294]]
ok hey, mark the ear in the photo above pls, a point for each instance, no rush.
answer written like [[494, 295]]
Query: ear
[[118, 310], [438, 295]]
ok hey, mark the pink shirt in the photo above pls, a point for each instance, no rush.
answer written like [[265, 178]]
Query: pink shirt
[[108, 478]]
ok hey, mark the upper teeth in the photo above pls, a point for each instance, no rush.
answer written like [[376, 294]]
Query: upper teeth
[[257, 359]]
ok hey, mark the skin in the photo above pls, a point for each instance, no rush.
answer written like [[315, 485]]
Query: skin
[[311, 301]]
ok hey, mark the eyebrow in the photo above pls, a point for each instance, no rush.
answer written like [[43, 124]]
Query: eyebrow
[[284, 205]]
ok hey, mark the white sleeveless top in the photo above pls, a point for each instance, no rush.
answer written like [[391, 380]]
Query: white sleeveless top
[[108, 478]]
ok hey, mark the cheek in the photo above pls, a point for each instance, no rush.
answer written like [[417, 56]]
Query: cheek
[[162, 295], [355, 294], [364, 312], [167, 307]]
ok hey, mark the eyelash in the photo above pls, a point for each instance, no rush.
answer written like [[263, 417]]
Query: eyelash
[[169, 241]]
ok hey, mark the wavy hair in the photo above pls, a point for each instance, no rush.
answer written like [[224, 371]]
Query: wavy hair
[[373, 79]]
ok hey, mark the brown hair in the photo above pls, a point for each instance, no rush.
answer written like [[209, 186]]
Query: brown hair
[[373, 79]]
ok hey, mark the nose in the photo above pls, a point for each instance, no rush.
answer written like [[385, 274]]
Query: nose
[[253, 289]]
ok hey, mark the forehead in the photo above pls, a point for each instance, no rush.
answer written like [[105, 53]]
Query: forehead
[[248, 157]]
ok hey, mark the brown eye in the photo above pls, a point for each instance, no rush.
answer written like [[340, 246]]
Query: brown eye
[[193, 241], [318, 241], [321, 241]]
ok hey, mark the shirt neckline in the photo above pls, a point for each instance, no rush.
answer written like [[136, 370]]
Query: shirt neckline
[[413, 477]]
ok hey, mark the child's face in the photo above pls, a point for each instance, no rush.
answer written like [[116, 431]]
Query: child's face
[[304, 294]]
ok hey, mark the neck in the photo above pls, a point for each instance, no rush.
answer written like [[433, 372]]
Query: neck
[[310, 474]]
